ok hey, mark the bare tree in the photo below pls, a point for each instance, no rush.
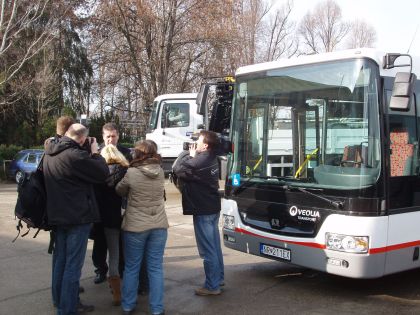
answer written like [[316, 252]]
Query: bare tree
[[249, 19], [16, 18], [280, 40], [361, 34], [323, 29]]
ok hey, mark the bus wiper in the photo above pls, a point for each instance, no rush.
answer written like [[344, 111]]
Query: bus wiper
[[335, 203]]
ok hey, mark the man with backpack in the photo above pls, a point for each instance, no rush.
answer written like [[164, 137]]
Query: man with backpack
[[69, 173]]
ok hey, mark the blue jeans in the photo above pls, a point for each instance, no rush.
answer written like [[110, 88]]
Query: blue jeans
[[206, 228], [69, 256], [151, 245]]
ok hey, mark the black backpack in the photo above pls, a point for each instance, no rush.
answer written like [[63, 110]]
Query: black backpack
[[31, 205]]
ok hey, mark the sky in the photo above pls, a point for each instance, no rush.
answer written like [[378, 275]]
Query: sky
[[395, 21]]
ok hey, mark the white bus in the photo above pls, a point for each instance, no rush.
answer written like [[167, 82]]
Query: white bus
[[342, 193]]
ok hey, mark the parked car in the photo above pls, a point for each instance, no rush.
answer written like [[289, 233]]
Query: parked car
[[25, 161]]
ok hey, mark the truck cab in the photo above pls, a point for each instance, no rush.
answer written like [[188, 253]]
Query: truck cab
[[173, 120]]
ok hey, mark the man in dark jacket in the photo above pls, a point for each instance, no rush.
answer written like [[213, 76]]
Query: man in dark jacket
[[200, 175], [69, 172], [110, 135]]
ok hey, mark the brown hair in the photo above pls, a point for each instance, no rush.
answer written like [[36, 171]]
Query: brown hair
[[110, 127], [210, 138], [145, 150], [63, 124]]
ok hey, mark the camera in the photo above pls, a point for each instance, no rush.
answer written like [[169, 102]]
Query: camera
[[186, 145]]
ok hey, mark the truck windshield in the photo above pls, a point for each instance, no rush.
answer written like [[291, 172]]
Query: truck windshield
[[153, 116], [314, 125]]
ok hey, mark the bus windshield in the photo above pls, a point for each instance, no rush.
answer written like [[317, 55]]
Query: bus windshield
[[314, 125]]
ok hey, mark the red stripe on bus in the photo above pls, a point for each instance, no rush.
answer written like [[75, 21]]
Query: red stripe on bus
[[308, 244], [378, 250], [393, 247]]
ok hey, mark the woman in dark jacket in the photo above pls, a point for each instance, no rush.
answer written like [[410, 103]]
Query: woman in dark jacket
[[110, 210]]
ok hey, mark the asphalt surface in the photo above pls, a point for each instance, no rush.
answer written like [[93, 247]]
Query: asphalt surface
[[254, 285]]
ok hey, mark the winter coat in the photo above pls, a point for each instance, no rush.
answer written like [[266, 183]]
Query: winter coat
[[200, 183], [69, 172], [143, 184], [109, 201]]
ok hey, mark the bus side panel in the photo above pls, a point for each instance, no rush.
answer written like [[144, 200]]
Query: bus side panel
[[311, 252], [403, 239]]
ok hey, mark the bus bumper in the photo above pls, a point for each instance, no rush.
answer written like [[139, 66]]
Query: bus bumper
[[306, 252]]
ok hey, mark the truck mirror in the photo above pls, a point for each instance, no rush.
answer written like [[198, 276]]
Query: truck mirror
[[402, 91], [165, 116]]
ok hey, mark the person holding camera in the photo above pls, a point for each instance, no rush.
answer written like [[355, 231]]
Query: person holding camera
[[199, 173], [69, 173]]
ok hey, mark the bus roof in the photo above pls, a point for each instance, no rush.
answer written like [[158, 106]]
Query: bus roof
[[371, 53], [176, 96]]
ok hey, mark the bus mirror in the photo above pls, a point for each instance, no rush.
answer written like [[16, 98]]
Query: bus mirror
[[389, 60], [402, 91], [201, 99], [222, 161]]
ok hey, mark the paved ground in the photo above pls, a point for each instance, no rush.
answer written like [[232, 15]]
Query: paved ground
[[253, 285]]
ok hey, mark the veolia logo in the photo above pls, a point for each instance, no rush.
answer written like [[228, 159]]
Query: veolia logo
[[303, 212], [293, 211]]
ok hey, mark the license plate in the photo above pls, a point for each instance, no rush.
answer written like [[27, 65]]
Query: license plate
[[274, 251]]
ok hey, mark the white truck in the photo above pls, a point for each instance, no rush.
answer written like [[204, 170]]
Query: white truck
[[173, 120]]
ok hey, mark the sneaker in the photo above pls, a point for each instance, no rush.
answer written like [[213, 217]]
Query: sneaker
[[84, 308], [206, 292], [99, 278]]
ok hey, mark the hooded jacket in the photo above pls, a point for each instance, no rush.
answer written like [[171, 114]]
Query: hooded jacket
[[69, 172], [200, 183], [143, 184]]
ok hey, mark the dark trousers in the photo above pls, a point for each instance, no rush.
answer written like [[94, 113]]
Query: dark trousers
[[100, 249]]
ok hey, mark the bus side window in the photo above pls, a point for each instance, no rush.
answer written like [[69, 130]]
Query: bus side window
[[402, 153]]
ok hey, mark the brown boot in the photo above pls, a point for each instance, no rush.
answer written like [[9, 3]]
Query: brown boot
[[115, 285]]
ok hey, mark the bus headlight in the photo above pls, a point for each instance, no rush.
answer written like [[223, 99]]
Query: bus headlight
[[229, 222], [347, 243]]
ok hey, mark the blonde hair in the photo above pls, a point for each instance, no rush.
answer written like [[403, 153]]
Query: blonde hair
[[112, 155]]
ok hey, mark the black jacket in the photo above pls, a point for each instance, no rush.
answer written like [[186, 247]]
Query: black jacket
[[200, 176], [69, 173], [108, 201]]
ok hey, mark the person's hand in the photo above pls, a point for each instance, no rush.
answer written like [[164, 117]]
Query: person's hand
[[193, 149], [94, 145]]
